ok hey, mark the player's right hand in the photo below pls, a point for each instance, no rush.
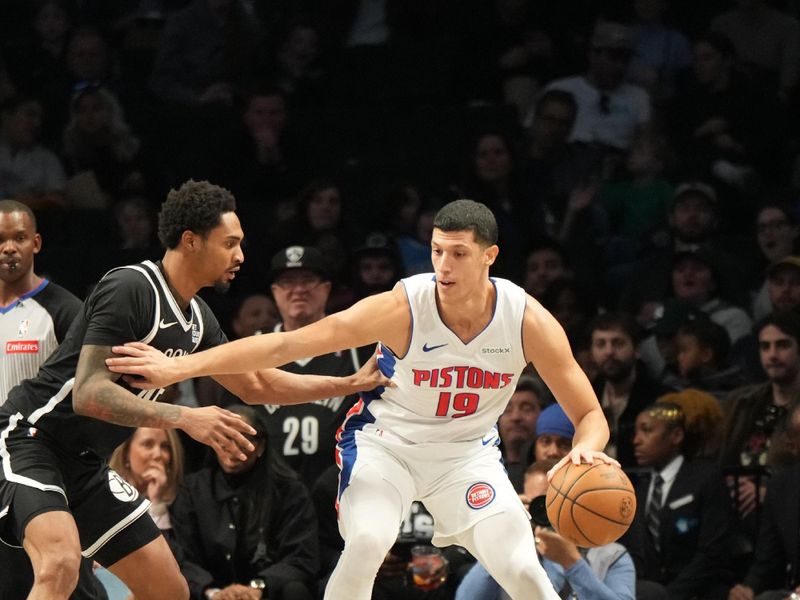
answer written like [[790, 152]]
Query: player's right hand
[[221, 429], [143, 367]]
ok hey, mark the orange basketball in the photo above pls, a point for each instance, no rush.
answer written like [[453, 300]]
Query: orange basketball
[[590, 505]]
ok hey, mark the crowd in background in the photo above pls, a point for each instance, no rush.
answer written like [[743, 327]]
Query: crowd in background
[[642, 158]]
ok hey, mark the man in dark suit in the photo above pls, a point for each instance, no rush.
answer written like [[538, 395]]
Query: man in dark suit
[[775, 570], [685, 508], [622, 385]]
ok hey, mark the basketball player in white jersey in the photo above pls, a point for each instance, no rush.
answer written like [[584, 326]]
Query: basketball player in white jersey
[[454, 344]]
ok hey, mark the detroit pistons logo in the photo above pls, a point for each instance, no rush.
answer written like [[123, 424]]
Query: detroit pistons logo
[[480, 495]]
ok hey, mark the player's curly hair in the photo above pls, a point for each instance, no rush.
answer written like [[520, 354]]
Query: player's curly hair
[[468, 215], [196, 206]]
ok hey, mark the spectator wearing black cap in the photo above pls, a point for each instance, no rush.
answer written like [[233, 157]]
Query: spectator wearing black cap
[[304, 434], [697, 279], [376, 266]]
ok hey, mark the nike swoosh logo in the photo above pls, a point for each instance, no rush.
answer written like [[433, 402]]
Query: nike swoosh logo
[[163, 325], [426, 348]]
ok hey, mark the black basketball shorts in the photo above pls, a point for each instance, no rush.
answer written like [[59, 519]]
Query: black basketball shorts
[[38, 476]]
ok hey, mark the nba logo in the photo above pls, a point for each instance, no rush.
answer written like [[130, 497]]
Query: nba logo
[[22, 330], [195, 334]]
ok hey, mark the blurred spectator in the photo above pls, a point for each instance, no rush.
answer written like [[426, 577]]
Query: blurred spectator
[[783, 284], [754, 413], [320, 223], [693, 223], [767, 41], [703, 354], [256, 314], [101, 152], [704, 420], [636, 204], [376, 266], [623, 385], [37, 61], [660, 54], [554, 167], [685, 506], [697, 280], [136, 226], [494, 177], [297, 67], [247, 527], [517, 426], [415, 247], [152, 461], [554, 432], [262, 168], [775, 570], [204, 52], [545, 262], [610, 111], [571, 305], [28, 171], [776, 234], [783, 295], [88, 60], [713, 122]]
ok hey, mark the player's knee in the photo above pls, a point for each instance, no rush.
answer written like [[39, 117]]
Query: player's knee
[[58, 568], [370, 543]]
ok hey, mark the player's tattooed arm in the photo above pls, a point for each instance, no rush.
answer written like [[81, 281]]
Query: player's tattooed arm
[[97, 394]]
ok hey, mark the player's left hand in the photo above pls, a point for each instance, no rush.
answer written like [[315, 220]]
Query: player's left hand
[[579, 455], [143, 367]]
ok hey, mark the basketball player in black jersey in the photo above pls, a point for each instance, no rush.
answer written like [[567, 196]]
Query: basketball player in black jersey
[[34, 317], [57, 496]]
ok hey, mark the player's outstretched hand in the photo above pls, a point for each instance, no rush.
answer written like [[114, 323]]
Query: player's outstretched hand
[[143, 367], [369, 377], [580, 455], [223, 430]]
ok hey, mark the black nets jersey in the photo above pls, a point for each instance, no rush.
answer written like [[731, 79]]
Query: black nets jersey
[[131, 303], [305, 434], [31, 328]]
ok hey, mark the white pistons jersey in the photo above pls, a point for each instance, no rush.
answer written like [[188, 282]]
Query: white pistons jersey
[[448, 390]]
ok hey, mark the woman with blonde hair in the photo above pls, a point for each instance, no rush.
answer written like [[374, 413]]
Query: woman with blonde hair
[[151, 460]]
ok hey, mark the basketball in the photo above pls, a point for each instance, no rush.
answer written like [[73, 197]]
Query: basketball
[[590, 505]]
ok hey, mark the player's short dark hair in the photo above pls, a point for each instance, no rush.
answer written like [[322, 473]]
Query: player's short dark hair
[[468, 215], [195, 206], [9, 206]]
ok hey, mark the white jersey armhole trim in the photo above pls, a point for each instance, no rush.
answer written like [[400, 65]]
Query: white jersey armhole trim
[[157, 317], [170, 298]]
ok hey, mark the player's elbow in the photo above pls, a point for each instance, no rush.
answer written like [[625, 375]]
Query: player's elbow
[[83, 395]]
